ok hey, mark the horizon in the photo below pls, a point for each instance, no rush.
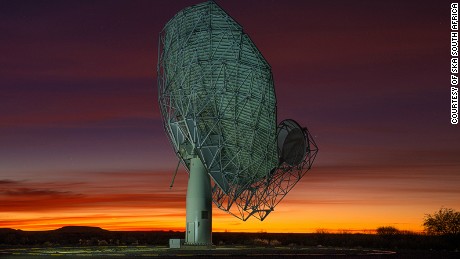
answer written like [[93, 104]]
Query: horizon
[[82, 142], [317, 231]]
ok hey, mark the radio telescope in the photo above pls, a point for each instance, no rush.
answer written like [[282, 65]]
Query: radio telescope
[[218, 107]]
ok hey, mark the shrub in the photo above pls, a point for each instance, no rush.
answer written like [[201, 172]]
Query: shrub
[[387, 231], [443, 222]]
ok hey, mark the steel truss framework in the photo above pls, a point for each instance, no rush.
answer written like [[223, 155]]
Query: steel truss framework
[[218, 102]]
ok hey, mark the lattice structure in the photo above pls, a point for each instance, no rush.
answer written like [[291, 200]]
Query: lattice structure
[[218, 102]]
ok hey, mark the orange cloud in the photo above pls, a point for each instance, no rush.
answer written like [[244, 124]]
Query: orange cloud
[[20, 198], [364, 197]]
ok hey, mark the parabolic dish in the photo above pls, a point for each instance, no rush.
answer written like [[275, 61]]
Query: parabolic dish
[[218, 102]]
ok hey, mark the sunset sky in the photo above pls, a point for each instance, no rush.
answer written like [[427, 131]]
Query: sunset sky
[[82, 143]]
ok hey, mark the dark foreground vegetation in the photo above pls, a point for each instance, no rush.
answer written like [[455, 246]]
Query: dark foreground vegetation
[[91, 236]]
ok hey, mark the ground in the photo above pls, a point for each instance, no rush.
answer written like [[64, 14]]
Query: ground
[[220, 251]]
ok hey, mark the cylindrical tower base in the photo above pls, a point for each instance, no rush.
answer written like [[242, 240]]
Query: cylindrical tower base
[[198, 230]]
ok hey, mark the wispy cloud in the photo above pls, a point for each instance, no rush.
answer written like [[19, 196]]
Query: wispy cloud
[[137, 189], [7, 182], [62, 103]]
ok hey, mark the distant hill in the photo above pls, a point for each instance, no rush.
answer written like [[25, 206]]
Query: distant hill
[[80, 229], [86, 236], [9, 230], [63, 230]]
